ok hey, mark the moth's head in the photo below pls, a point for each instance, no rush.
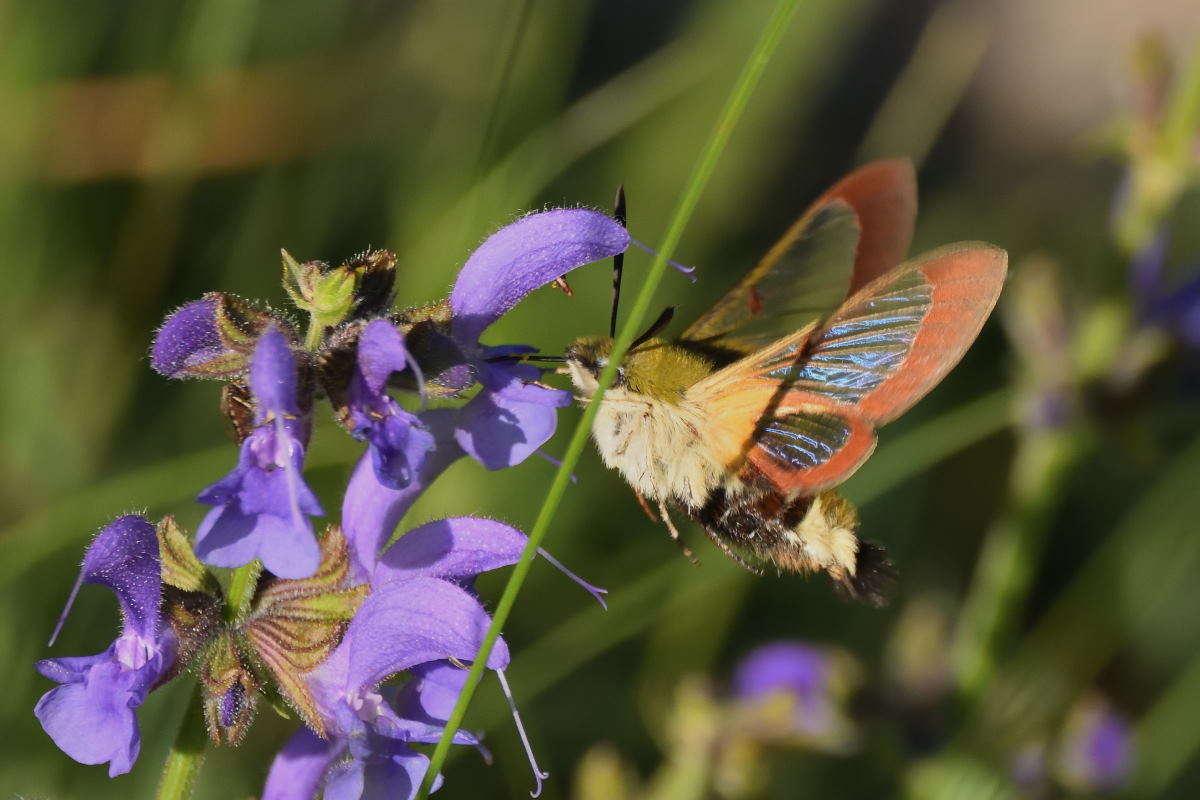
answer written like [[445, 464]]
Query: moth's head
[[586, 359], [654, 368]]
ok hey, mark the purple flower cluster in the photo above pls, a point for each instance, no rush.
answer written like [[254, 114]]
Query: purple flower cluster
[[337, 616], [792, 692]]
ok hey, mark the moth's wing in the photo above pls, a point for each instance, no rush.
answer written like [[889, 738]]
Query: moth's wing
[[821, 259], [794, 442], [898, 336], [884, 196], [891, 342], [883, 350], [802, 279]]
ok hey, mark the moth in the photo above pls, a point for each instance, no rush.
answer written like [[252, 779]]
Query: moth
[[748, 421]]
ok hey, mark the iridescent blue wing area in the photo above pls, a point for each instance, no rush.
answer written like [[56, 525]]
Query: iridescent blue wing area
[[865, 342], [808, 450]]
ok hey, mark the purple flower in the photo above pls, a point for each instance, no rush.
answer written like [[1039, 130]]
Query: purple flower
[[1175, 308], [261, 508], [371, 509], [396, 441], [420, 615], [188, 338], [213, 337], [91, 715], [795, 692], [512, 416], [1095, 752]]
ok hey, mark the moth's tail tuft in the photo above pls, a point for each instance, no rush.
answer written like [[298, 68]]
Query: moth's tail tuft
[[874, 579]]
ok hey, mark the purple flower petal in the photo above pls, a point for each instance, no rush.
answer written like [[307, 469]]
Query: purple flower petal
[[371, 510], [789, 666], [124, 557], [93, 721], [189, 336], [398, 441], [227, 537], [1146, 269], [1096, 749], [394, 776], [381, 352], [433, 692], [398, 446], [455, 549], [510, 418], [404, 623], [299, 770], [527, 254], [273, 375], [71, 669]]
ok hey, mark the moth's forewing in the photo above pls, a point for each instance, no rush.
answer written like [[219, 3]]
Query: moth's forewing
[[802, 279], [884, 196], [824, 257]]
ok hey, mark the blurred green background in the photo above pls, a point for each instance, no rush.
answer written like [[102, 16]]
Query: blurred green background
[[152, 151]]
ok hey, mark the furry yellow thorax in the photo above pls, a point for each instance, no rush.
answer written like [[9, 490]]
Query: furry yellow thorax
[[655, 368]]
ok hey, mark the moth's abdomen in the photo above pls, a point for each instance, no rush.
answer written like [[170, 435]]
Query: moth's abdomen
[[802, 534]]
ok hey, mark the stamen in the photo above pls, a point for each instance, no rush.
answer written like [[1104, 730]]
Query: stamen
[[685, 270], [555, 462], [293, 479], [538, 775], [416, 368], [594, 591], [62, 618]]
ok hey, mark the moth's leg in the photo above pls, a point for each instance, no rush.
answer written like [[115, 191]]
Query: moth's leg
[[646, 506], [734, 557], [666, 518]]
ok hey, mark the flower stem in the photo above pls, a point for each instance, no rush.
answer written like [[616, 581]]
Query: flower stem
[[191, 742], [241, 590], [740, 95], [312, 337], [187, 753], [1011, 552]]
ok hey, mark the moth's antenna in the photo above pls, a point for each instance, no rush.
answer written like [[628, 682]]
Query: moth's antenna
[[526, 357], [618, 262], [664, 319]]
